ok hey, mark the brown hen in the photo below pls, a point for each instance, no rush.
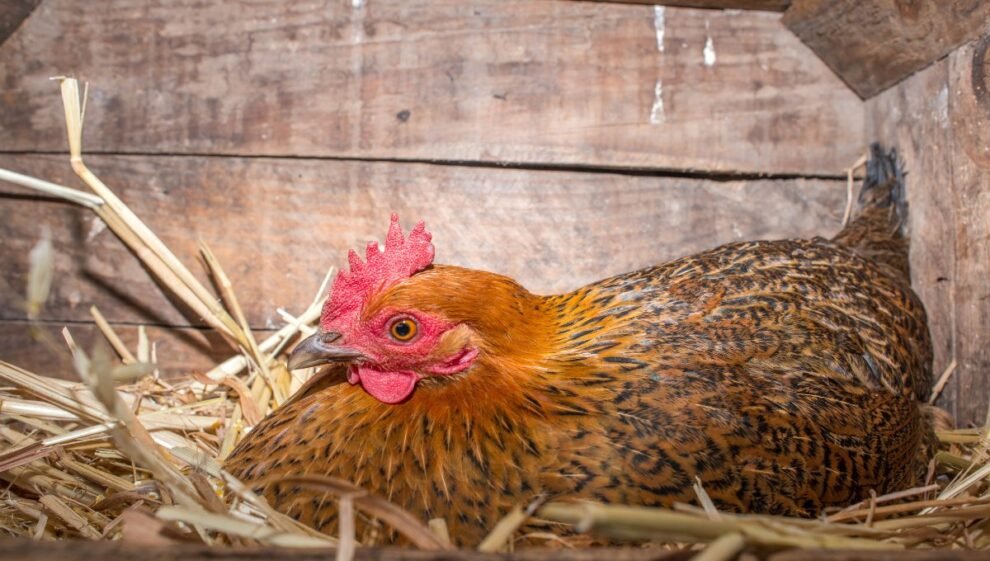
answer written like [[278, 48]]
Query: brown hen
[[785, 375]]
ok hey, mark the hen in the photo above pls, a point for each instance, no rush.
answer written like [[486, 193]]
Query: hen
[[785, 375]]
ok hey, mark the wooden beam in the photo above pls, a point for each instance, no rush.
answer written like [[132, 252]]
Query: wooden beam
[[873, 44], [78, 550], [276, 225], [764, 5], [507, 81], [12, 13], [939, 119]]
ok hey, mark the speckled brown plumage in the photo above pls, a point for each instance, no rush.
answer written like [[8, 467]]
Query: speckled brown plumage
[[785, 375]]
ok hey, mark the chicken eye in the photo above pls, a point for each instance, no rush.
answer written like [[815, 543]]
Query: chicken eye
[[403, 330]]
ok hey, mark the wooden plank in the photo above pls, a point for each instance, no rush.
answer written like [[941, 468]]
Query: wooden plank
[[180, 351], [939, 118], [79, 550], [914, 117], [969, 111], [12, 13], [278, 224], [507, 81], [873, 45], [765, 5]]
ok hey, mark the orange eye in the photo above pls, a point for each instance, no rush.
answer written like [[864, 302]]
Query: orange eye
[[403, 330]]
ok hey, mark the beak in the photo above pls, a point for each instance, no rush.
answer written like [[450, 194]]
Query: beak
[[319, 349]]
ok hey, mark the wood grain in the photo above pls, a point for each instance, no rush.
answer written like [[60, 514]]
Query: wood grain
[[914, 117], [180, 351], [277, 225], [765, 5], [969, 110], [508, 81], [873, 45]]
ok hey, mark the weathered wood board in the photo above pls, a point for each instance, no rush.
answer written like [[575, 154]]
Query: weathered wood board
[[277, 224], [766, 5], [940, 118], [547, 83], [969, 111], [875, 44], [914, 117], [12, 13]]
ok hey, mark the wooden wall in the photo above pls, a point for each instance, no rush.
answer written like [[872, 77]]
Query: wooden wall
[[557, 142], [940, 119]]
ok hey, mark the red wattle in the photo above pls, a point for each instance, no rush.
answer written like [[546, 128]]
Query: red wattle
[[387, 387]]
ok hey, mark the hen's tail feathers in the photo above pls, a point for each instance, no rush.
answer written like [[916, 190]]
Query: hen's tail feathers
[[877, 231]]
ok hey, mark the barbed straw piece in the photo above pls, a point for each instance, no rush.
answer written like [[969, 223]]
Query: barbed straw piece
[[272, 345], [111, 336], [238, 527], [48, 390], [125, 218], [57, 506], [705, 501], [227, 292], [500, 537], [129, 434], [850, 188], [724, 548], [53, 189]]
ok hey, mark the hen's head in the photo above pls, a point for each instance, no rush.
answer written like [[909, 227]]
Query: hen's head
[[398, 320]]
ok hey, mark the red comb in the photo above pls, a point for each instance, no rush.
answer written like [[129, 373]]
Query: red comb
[[402, 258]]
